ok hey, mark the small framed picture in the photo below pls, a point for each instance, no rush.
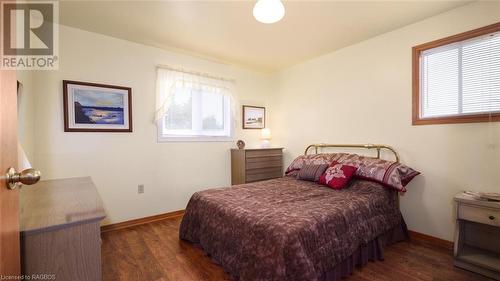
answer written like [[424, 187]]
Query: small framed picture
[[90, 107], [254, 117]]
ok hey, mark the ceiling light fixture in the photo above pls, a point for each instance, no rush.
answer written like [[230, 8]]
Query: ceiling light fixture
[[268, 11]]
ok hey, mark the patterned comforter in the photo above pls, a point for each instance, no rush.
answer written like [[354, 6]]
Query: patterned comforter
[[287, 229]]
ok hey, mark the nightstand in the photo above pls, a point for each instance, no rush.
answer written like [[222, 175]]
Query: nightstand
[[477, 236], [251, 165]]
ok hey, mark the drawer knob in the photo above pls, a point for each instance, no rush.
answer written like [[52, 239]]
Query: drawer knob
[[491, 217]]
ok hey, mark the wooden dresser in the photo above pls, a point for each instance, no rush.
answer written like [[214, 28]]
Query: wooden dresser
[[250, 165], [60, 230], [477, 237]]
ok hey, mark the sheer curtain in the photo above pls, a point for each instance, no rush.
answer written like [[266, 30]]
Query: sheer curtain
[[167, 80]]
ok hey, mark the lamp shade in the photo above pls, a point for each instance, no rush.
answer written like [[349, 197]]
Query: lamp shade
[[265, 134]]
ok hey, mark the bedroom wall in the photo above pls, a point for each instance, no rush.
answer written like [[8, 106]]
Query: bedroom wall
[[118, 162], [362, 94]]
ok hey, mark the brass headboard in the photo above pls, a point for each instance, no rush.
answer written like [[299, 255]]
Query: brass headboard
[[378, 147]]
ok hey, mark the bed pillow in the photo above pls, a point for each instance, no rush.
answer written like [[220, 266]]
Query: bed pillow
[[311, 172], [312, 159], [338, 175], [391, 174]]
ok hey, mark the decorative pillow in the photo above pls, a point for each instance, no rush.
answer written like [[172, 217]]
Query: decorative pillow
[[388, 173], [292, 174], [312, 172], [312, 159], [337, 175]]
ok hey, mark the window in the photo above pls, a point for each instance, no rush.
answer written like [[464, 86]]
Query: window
[[457, 79], [193, 108]]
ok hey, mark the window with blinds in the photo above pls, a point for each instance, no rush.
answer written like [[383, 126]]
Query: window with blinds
[[459, 81]]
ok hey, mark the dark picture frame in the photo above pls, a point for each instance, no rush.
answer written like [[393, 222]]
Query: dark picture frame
[[253, 117], [112, 114]]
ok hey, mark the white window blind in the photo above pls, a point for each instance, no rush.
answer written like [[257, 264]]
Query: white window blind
[[461, 78]]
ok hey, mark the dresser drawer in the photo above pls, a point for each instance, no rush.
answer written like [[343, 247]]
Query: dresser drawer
[[264, 162], [263, 174], [478, 214], [263, 152], [251, 165]]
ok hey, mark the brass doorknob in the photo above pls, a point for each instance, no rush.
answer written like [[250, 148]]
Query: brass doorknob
[[28, 177]]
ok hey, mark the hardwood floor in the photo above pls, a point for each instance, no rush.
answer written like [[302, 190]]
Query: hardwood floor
[[153, 252]]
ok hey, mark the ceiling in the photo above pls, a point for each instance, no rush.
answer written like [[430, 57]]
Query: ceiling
[[227, 32]]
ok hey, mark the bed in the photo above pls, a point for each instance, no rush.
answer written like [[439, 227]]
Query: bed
[[289, 229]]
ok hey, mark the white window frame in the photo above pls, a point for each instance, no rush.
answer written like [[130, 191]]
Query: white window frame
[[184, 136]]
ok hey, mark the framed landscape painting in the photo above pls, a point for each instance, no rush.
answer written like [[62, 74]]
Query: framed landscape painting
[[254, 117], [90, 107]]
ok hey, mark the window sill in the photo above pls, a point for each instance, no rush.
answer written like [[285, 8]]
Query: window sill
[[478, 118], [194, 139]]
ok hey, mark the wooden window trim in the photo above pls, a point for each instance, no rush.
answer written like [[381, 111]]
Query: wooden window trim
[[417, 50]]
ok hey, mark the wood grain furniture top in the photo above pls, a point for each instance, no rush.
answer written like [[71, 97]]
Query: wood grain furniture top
[[477, 237], [60, 230], [467, 199], [54, 204], [256, 164]]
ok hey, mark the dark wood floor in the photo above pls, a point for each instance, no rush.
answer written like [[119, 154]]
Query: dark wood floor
[[153, 252]]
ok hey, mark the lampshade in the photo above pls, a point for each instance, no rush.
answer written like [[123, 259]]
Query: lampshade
[[268, 11], [265, 134]]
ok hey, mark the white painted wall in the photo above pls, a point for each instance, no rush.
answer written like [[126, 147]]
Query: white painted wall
[[362, 94], [118, 162]]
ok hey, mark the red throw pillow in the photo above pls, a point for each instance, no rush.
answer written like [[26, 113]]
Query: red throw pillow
[[337, 175]]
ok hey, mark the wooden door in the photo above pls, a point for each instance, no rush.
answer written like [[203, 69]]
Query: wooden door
[[10, 264]]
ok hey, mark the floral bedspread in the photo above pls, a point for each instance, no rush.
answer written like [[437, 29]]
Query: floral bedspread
[[287, 229]]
